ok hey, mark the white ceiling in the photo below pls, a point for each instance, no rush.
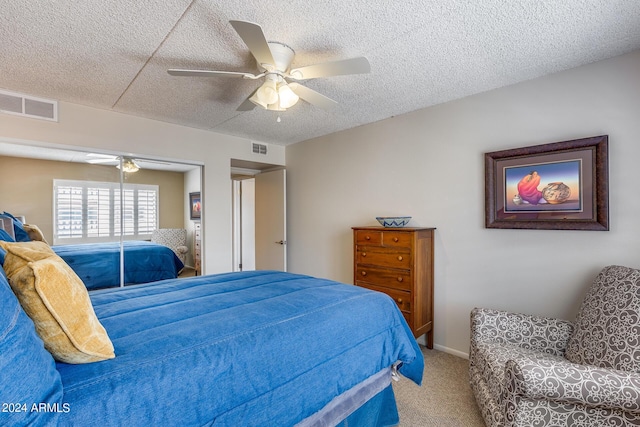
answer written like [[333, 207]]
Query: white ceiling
[[114, 55]]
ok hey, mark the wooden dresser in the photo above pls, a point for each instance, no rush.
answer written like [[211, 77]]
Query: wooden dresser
[[398, 262], [197, 249]]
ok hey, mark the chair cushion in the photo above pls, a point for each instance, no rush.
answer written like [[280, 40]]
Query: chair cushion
[[490, 359], [28, 373], [607, 327], [58, 303]]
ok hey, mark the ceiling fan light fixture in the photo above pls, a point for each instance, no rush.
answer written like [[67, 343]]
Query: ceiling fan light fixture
[[129, 165], [288, 98], [267, 93], [272, 99], [256, 100], [275, 107]]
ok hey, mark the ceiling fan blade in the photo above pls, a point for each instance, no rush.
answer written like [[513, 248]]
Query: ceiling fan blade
[[254, 38], [208, 73], [313, 97], [96, 158], [101, 161], [359, 65], [158, 162], [102, 156]]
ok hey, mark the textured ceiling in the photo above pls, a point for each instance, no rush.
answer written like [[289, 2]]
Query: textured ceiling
[[114, 55]]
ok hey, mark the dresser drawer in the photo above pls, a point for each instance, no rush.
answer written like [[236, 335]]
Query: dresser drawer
[[402, 298], [398, 262], [383, 258], [396, 279], [369, 237], [396, 239]]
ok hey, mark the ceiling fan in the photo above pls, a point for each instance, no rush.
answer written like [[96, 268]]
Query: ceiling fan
[[280, 89], [129, 164]]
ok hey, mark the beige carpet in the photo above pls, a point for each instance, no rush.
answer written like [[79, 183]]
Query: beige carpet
[[445, 398]]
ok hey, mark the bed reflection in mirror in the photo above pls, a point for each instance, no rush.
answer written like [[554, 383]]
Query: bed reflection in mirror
[[116, 220]]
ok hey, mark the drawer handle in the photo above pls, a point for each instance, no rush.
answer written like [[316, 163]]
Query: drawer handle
[[400, 279], [364, 273], [367, 238], [395, 239], [399, 300], [364, 254], [400, 258]]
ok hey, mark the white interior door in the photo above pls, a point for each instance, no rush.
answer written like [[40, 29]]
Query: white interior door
[[248, 218], [271, 220], [244, 230]]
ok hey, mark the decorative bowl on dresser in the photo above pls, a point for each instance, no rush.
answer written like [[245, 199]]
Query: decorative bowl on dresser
[[393, 221], [399, 262]]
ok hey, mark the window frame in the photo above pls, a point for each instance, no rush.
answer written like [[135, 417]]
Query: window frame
[[97, 235]]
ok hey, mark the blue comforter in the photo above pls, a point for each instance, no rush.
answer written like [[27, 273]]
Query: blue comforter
[[98, 264], [236, 349]]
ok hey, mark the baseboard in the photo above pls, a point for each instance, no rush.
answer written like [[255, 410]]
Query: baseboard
[[422, 340], [451, 351]]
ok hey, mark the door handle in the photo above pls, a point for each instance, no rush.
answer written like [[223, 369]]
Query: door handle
[[282, 242]]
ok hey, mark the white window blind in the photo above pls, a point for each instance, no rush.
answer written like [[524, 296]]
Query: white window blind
[[90, 211], [68, 211], [147, 211], [99, 212]]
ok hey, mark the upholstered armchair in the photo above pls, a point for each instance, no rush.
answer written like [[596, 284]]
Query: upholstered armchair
[[534, 371], [174, 238]]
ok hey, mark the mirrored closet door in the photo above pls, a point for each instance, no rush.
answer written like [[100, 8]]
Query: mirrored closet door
[[116, 220]]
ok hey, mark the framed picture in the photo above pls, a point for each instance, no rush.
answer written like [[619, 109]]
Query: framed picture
[[557, 186], [195, 205]]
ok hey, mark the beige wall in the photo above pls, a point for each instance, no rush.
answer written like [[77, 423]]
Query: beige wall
[[96, 130], [429, 164], [31, 195]]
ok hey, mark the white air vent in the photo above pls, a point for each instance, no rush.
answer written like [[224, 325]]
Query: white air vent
[[259, 148], [28, 106]]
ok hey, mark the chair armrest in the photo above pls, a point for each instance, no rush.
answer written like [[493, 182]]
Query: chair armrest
[[182, 249], [567, 382], [543, 334]]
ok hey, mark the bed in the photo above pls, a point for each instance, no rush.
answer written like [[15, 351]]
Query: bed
[[98, 264], [261, 348]]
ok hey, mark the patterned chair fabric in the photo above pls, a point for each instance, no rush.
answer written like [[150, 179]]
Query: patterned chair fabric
[[174, 238], [535, 371]]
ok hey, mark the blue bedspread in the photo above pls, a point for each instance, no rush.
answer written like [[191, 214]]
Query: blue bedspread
[[236, 349], [98, 264]]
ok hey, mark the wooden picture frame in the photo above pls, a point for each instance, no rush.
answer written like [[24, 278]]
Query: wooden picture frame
[[195, 205], [564, 186]]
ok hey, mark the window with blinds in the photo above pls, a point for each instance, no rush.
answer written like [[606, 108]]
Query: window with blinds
[[90, 211]]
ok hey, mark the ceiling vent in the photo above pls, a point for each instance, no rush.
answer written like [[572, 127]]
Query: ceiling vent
[[28, 106], [259, 148]]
